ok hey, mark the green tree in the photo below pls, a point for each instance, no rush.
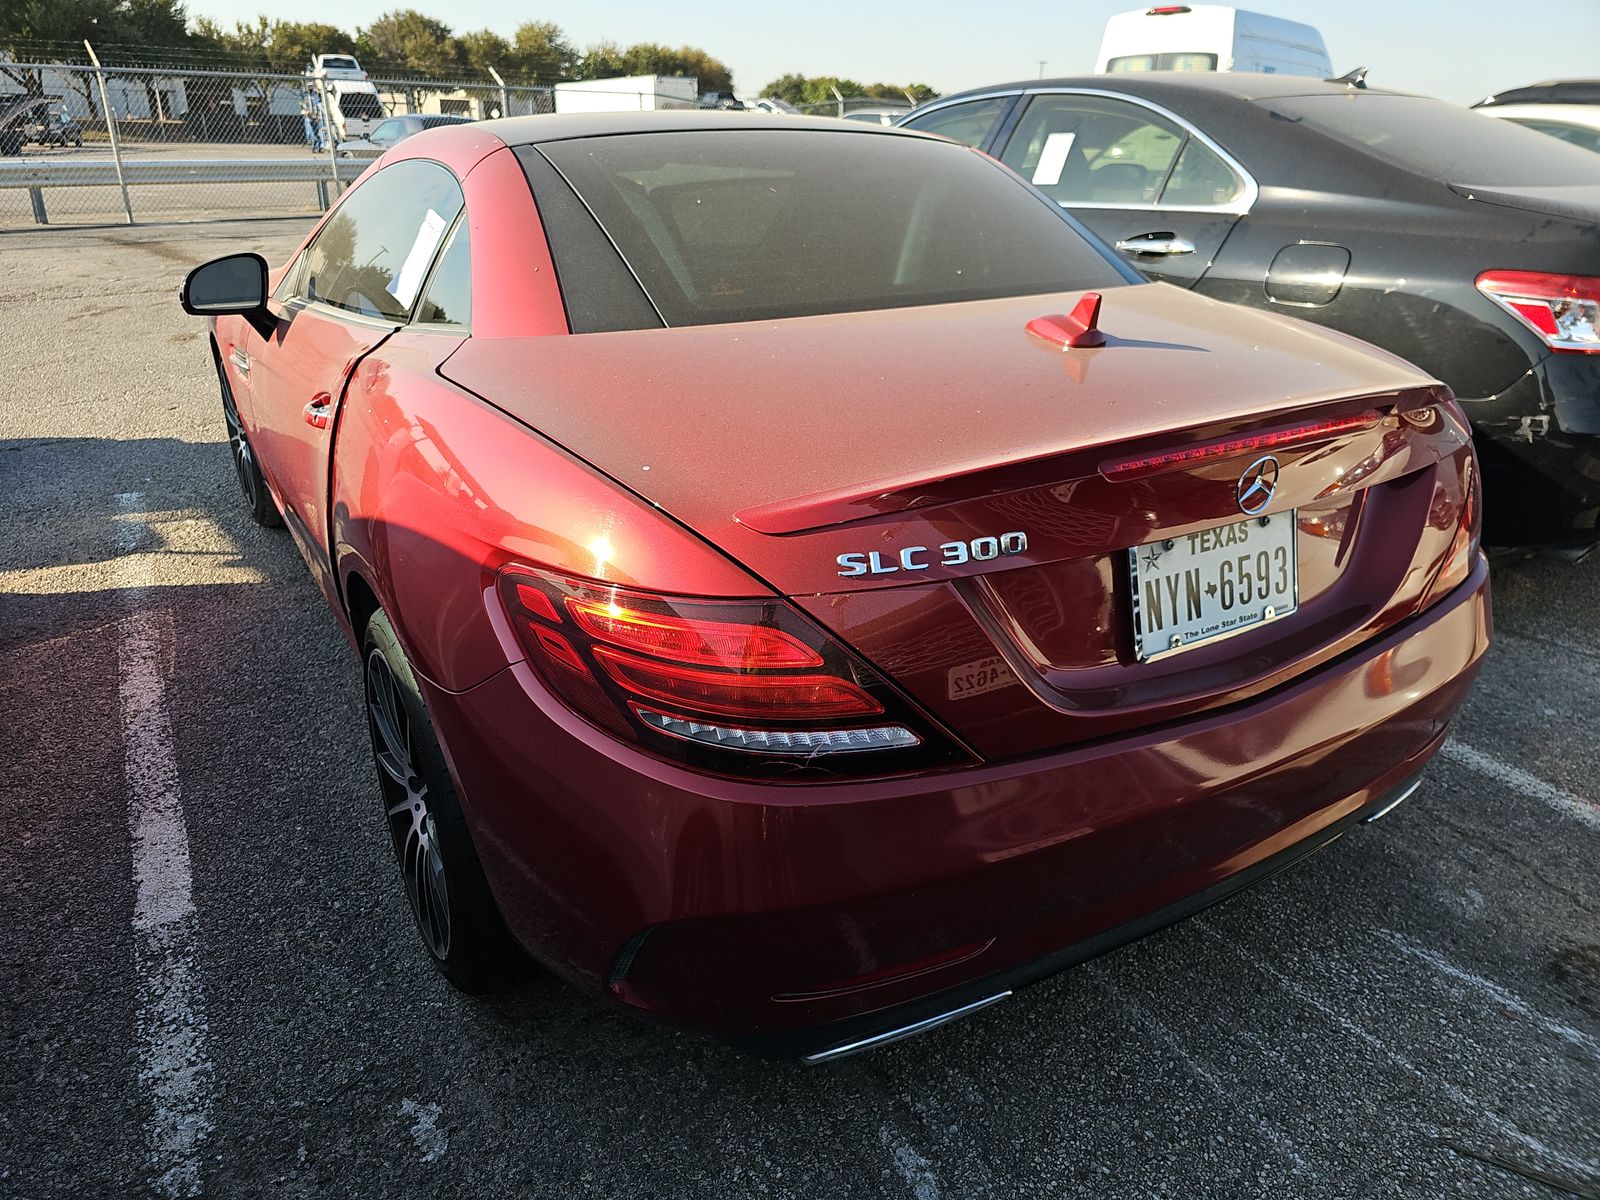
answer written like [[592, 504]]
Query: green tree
[[603, 60], [647, 58], [406, 38], [606, 59], [283, 46], [242, 39], [920, 93], [156, 23], [788, 88], [802, 90], [483, 48], [290, 44], [540, 52]]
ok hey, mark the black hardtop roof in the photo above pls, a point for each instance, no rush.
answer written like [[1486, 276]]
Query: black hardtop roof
[[1240, 85], [556, 127]]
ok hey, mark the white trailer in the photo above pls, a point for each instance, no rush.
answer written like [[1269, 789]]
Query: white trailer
[[1211, 37], [630, 93]]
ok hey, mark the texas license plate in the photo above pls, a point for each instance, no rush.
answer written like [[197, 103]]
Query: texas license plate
[[1201, 586]]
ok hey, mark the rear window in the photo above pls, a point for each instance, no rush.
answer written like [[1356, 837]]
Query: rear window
[[360, 104], [1576, 135], [736, 225], [1182, 61], [1443, 142]]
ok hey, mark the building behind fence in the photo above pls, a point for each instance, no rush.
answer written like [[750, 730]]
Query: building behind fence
[[202, 142]]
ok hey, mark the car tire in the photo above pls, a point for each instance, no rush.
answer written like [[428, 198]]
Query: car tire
[[452, 908], [245, 468]]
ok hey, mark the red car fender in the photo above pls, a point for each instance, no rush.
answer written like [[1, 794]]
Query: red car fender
[[434, 490], [417, 533]]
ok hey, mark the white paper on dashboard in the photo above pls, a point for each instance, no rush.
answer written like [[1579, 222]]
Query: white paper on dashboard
[[1053, 160], [403, 287]]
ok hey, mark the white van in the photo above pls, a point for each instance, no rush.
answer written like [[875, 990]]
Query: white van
[[1211, 37]]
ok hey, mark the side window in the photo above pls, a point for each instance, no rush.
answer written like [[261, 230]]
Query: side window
[[448, 300], [1092, 150], [1589, 139], [969, 122], [373, 254], [1200, 179], [389, 129], [289, 286]]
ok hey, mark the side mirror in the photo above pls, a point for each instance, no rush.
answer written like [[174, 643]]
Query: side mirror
[[236, 284]]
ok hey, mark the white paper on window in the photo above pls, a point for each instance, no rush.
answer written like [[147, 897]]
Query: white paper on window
[[403, 287], [1053, 159]]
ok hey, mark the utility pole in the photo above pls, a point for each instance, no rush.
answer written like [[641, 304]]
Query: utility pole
[[111, 129], [1042, 62], [505, 97], [330, 132]]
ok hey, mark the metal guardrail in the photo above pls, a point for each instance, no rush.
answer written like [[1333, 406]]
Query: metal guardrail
[[103, 172], [37, 174]]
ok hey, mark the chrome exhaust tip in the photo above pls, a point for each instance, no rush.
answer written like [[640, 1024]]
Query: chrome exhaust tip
[[1405, 794], [844, 1050]]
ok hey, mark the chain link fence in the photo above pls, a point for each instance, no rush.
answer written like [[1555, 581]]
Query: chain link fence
[[80, 144]]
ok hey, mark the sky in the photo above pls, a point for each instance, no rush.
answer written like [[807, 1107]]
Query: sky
[[1460, 50]]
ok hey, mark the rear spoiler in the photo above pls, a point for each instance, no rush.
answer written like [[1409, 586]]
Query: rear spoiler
[[975, 480]]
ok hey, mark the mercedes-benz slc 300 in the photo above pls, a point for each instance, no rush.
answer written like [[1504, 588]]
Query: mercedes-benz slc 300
[[807, 588]]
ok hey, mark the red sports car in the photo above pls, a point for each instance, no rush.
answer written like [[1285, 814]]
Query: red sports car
[[807, 588]]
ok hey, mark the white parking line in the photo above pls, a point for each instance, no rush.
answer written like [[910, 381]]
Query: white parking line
[[431, 1141], [1231, 1096], [171, 1024], [1459, 1098], [912, 1167], [1500, 995], [1585, 811]]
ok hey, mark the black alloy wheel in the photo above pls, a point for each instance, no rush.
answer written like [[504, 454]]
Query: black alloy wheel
[[251, 482], [454, 911], [412, 827]]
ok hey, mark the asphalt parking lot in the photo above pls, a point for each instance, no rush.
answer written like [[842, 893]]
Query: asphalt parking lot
[[1414, 1012]]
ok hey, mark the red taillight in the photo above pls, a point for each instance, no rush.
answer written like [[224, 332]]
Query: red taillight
[[537, 603], [736, 694], [1166, 10], [559, 650], [1188, 456], [1564, 310], [710, 643], [745, 685]]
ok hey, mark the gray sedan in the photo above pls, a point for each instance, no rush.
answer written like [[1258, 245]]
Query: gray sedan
[[395, 129]]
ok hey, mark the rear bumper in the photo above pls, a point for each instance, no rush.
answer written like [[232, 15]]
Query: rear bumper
[[1539, 445], [796, 918], [852, 1036]]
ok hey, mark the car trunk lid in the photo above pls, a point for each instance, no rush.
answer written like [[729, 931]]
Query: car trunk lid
[[1579, 201], [957, 498]]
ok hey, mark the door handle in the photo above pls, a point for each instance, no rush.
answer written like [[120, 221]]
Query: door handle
[[319, 413], [1156, 243]]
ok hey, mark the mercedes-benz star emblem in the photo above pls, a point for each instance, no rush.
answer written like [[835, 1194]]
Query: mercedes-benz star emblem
[[1256, 485]]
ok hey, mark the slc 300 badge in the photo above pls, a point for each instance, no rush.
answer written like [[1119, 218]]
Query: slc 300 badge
[[920, 558]]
